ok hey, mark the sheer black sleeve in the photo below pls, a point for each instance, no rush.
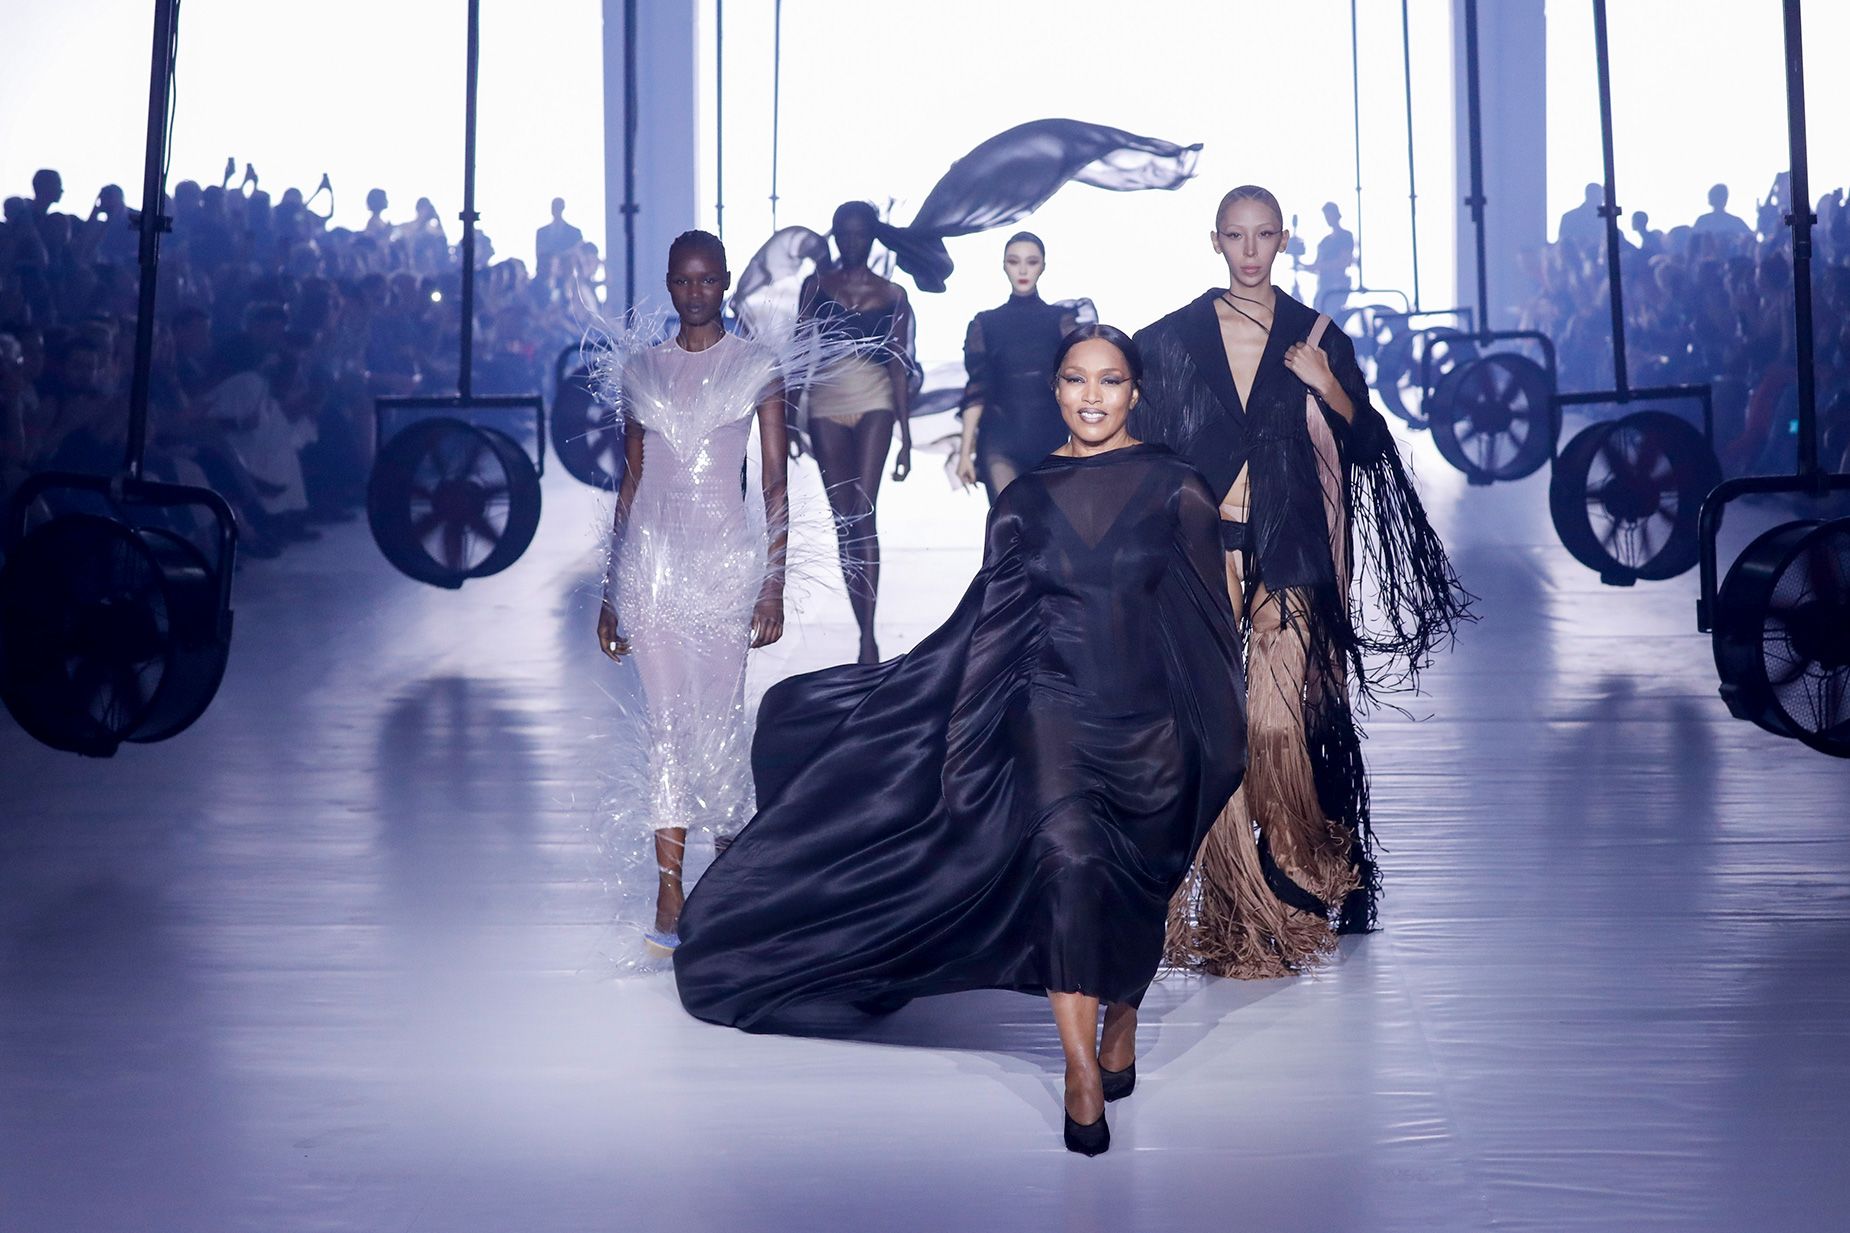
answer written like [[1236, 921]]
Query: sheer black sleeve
[[976, 367]]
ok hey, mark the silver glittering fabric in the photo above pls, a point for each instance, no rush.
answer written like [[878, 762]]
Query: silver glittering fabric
[[687, 570]]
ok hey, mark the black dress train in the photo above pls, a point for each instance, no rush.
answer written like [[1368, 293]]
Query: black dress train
[[1012, 804]]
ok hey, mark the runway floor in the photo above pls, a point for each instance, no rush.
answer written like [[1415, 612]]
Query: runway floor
[[341, 956]]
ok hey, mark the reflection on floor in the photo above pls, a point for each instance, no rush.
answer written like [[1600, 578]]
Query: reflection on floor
[[339, 957]]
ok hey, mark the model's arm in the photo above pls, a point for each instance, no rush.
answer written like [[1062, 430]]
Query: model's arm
[[1311, 365], [975, 372], [899, 372], [806, 298], [609, 639], [774, 452], [327, 185]]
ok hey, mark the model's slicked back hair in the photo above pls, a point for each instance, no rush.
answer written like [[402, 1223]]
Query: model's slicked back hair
[[1026, 237], [1108, 333], [1250, 192], [703, 242]]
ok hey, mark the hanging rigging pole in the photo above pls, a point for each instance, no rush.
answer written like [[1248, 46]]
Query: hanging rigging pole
[[777, 70], [1355, 100], [1413, 194], [1474, 114], [629, 154], [1800, 219], [465, 372], [719, 117], [1610, 210], [153, 222]]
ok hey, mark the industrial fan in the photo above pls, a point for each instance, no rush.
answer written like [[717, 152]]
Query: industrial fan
[[1626, 494], [1494, 417], [1410, 364], [586, 437], [111, 633], [450, 500], [1782, 634]]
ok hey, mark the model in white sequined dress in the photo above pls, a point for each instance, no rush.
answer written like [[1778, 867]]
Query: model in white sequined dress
[[697, 576]]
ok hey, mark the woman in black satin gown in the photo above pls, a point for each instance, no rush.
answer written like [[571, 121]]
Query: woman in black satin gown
[[1010, 418], [1012, 804]]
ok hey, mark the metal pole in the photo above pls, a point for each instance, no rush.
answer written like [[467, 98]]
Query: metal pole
[[1474, 112], [1355, 100], [1800, 219], [1621, 382], [465, 372], [629, 154], [719, 117], [153, 223], [777, 70], [1413, 193]]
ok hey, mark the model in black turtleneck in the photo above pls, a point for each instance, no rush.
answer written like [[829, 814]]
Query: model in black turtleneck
[[1011, 420]]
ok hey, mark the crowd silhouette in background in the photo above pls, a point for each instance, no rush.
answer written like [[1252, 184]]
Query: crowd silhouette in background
[[274, 332], [1708, 302]]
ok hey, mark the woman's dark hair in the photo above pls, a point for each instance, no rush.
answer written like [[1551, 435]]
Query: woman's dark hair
[[1107, 333], [863, 210], [1027, 237], [703, 242]]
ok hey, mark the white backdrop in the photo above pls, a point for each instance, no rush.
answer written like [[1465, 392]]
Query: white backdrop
[[370, 91], [881, 95]]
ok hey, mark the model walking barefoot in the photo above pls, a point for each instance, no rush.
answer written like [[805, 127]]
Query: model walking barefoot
[[856, 403]]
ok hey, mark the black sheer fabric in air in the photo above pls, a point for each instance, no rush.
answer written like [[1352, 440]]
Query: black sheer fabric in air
[[1012, 804], [1001, 181]]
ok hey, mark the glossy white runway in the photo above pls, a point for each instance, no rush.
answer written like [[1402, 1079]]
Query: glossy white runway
[[338, 958]]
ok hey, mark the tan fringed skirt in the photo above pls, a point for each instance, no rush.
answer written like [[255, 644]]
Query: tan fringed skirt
[[854, 387], [1225, 919]]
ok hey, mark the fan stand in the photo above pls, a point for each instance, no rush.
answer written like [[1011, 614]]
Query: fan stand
[[113, 630], [1694, 468], [1437, 361], [1809, 480], [495, 426]]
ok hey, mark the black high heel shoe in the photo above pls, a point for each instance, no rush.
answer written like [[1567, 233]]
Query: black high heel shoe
[[1092, 1139], [1118, 1083]]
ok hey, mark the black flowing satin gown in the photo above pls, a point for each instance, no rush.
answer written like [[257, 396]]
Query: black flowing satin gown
[[1011, 804]]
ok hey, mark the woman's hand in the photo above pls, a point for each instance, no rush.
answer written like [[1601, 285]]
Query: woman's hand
[[902, 465], [966, 466], [768, 617], [1311, 366], [609, 641]]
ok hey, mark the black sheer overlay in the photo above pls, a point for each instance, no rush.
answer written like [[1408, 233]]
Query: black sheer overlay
[[1012, 804]]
